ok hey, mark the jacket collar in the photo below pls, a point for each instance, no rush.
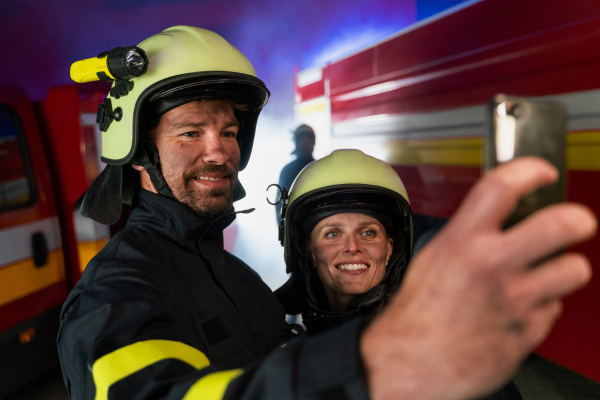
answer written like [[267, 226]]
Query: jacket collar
[[176, 221]]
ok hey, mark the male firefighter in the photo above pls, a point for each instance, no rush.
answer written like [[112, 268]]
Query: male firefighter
[[164, 312]]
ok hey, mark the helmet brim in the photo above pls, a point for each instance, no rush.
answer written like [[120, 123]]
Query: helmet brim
[[176, 91]]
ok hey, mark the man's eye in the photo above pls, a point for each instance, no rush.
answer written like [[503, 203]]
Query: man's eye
[[229, 134], [190, 134], [369, 233], [331, 235]]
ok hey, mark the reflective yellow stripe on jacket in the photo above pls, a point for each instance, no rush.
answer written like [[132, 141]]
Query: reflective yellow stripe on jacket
[[212, 387], [125, 361]]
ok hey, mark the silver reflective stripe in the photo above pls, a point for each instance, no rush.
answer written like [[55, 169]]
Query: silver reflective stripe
[[15, 242], [88, 230]]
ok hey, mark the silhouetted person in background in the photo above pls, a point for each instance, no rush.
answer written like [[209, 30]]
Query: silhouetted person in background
[[304, 139]]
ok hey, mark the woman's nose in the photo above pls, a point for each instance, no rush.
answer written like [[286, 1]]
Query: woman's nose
[[352, 245]]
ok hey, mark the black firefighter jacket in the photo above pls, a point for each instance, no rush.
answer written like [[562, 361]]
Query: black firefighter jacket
[[164, 312]]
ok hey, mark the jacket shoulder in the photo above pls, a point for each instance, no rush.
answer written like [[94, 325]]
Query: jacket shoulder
[[540, 378]]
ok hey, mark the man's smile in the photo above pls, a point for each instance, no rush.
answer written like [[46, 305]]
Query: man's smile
[[212, 181], [207, 178]]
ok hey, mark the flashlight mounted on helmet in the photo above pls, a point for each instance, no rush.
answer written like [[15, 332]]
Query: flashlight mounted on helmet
[[120, 63]]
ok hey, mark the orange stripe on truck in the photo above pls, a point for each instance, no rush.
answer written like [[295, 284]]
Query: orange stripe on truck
[[22, 278], [583, 151]]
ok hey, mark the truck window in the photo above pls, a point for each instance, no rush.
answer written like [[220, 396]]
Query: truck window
[[15, 176]]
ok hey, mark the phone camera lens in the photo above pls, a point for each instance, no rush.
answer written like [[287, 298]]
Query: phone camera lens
[[515, 111]]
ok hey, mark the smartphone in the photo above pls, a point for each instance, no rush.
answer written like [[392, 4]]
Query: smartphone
[[525, 127]]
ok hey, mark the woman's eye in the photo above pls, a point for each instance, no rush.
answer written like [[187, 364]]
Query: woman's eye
[[369, 233]]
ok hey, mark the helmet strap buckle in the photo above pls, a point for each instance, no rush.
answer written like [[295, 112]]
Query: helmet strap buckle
[[146, 156], [104, 115], [283, 199]]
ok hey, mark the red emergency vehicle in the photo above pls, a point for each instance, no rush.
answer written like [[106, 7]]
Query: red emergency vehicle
[[417, 100], [48, 157]]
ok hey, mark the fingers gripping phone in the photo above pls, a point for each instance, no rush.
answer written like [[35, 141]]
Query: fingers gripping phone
[[525, 127]]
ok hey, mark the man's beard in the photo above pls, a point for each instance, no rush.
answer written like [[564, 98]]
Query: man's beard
[[210, 203]]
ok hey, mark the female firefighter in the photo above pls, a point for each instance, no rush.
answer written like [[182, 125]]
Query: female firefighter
[[348, 238]]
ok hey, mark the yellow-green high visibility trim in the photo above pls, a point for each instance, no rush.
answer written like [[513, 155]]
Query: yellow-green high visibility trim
[[213, 386], [130, 359]]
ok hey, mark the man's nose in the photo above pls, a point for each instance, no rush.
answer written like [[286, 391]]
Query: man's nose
[[213, 150]]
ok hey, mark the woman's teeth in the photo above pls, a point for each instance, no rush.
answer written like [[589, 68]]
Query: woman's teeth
[[352, 267]]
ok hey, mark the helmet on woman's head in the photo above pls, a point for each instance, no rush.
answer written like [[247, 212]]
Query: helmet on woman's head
[[345, 181], [184, 64]]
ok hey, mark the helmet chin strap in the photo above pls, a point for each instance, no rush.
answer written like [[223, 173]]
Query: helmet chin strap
[[146, 156]]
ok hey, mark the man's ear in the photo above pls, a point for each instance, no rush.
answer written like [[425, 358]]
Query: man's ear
[[145, 181]]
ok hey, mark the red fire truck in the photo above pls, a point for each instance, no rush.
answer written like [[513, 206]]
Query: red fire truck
[[48, 157], [417, 100]]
